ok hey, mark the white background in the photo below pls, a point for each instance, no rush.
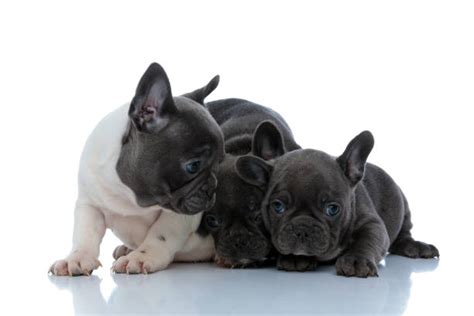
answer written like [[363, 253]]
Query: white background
[[404, 70]]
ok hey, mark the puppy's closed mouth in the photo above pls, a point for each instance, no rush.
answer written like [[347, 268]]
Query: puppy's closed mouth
[[197, 196], [194, 204], [240, 264]]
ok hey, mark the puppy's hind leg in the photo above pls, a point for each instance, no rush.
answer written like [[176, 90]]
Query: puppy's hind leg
[[405, 245]]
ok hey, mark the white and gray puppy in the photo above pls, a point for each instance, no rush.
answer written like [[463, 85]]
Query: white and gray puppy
[[147, 172]]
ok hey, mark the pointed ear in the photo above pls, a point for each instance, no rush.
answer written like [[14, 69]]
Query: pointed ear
[[253, 170], [353, 160], [153, 99], [267, 141], [200, 94]]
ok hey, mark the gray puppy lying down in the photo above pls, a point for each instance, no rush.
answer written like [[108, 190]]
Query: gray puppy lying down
[[320, 208], [235, 219]]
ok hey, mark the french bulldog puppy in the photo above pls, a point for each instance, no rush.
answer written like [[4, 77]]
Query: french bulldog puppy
[[147, 171], [320, 208], [235, 219]]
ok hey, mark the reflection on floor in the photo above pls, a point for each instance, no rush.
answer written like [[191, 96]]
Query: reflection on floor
[[204, 289]]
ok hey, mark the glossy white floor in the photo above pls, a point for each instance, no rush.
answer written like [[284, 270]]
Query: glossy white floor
[[205, 289], [404, 286]]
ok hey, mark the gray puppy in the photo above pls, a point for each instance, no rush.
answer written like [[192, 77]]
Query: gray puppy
[[172, 148], [319, 208], [235, 219]]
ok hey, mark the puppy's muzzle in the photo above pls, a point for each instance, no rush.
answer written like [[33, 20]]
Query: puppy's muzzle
[[302, 237], [199, 198], [243, 246]]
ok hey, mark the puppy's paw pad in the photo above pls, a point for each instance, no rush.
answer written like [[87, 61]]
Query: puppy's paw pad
[[296, 263], [140, 262], [121, 251], [414, 249], [75, 264], [358, 266]]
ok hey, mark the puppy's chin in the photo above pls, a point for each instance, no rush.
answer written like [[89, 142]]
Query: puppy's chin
[[229, 263], [302, 236], [303, 252], [292, 247]]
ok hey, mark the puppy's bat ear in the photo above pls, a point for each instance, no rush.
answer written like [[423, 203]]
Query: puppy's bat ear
[[354, 158], [267, 141], [253, 170], [153, 99], [200, 94]]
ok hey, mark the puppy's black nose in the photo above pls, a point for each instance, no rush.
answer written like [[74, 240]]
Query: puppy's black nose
[[302, 235], [241, 243]]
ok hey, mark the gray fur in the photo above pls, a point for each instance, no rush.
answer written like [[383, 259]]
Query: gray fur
[[374, 216], [235, 220], [165, 134]]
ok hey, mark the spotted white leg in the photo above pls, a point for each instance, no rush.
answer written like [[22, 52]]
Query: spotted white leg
[[164, 239]]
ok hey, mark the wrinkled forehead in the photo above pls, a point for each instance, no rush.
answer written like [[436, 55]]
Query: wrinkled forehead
[[192, 128], [195, 120], [195, 114], [309, 173], [178, 143]]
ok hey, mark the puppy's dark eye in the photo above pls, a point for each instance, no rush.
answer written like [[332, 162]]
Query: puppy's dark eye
[[278, 206], [332, 209], [212, 221], [193, 166]]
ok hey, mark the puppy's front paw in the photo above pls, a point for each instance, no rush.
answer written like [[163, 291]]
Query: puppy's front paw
[[414, 249], [141, 261], [77, 263], [358, 266], [296, 263]]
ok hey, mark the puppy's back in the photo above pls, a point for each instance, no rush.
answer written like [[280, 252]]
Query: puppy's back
[[238, 120]]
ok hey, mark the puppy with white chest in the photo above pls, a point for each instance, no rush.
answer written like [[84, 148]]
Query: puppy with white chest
[[235, 219], [320, 208], [147, 172]]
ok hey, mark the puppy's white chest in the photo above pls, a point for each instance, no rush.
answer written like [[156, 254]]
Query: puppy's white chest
[[98, 178], [100, 185], [131, 230]]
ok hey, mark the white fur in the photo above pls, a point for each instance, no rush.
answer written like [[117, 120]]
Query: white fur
[[105, 202]]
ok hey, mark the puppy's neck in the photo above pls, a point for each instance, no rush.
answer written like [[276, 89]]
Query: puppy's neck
[[128, 133]]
